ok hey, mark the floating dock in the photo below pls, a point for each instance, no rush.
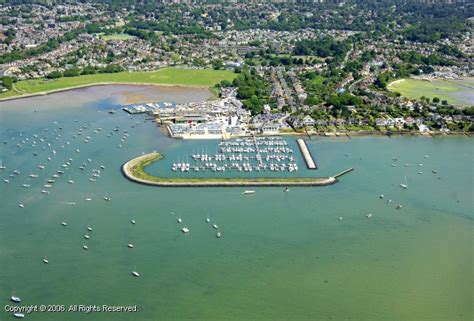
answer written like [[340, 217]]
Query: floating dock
[[310, 163]]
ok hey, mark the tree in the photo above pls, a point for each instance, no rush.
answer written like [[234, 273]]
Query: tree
[[217, 64], [436, 100], [8, 82]]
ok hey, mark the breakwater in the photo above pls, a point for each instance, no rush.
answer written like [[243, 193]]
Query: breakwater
[[308, 158], [134, 171]]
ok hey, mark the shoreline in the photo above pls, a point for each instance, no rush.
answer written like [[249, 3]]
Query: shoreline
[[45, 93], [134, 171]]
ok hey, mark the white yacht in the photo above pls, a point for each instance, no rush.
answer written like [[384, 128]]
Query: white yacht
[[133, 221], [369, 215], [45, 261], [130, 245], [135, 274], [15, 299], [87, 237], [248, 192], [179, 220], [85, 247], [185, 230], [19, 315]]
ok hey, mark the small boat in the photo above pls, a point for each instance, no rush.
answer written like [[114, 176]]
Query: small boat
[[399, 206], [88, 199], [21, 205], [340, 218], [19, 315], [133, 221], [394, 165], [135, 274], [381, 196], [85, 247], [420, 172], [286, 190], [87, 237], [63, 223], [51, 181], [248, 192], [427, 156], [45, 261], [218, 234], [185, 230], [26, 185], [208, 219], [179, 220], [106, 198], [434, 172], [92, 180], [369, 215], [6, 181], [89, 229], [70, 181], [215, 226], [34, 175], [404, 185], [47, 186], [130, 245], [15, 299]]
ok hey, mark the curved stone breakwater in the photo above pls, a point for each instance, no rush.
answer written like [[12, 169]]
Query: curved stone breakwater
[[134, 171]]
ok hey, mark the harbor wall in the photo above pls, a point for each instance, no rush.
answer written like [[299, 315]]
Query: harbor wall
[[242, 182]]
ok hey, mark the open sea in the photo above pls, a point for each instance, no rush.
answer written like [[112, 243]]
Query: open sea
[[282, 256]]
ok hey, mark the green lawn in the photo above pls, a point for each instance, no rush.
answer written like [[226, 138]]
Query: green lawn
[[117, 36], [452, 91], [167, 76]]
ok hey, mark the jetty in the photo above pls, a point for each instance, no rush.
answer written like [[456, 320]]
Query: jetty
[[134, 171], [308, 158]]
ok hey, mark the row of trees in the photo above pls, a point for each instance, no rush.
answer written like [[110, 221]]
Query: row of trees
[[88, 70]]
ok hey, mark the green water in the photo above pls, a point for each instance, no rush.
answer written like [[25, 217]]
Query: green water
[[282, 256]]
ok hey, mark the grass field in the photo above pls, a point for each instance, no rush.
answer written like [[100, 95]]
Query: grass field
[[117, 36], [455, 92], [167, 76]]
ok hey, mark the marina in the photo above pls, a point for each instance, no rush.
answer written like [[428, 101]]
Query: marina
[[278, 241], [243, 155]]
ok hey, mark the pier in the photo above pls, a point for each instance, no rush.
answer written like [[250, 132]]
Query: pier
[[310, 163], [344, 172], [134, 171]]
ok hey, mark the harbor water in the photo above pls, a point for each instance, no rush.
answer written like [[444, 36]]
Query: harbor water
[[306, 254]]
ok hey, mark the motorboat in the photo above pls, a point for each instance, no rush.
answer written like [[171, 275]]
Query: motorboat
[[63, 223], [19, 315], [179, 220], [135, 274], [185, 230], [15, 299], [45, 261], [85, 247], [248, 192], [130, 245]]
